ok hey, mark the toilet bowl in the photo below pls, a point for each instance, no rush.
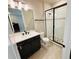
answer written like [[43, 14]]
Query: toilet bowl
[[44, 40]]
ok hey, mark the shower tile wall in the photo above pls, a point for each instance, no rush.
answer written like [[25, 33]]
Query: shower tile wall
[[39, 25]]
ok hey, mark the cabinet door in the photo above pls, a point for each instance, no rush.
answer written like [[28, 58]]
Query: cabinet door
[[28, 47], [25, 50]]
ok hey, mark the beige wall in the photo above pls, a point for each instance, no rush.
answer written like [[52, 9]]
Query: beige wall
[[29, 21], [47, 6], [36, 6]]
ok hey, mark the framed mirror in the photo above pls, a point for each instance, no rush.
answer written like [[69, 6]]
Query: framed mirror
[[16, 20]]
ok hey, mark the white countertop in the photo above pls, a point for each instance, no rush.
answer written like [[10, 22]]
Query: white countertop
[[18, 37]]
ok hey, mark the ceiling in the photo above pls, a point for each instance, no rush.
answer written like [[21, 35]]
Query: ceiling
[[51, 1], [47, 1]]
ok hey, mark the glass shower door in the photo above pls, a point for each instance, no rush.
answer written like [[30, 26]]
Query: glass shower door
[[49, 23], [60, 17]]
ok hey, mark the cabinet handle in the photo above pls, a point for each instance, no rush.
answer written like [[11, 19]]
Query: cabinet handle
[[20, 47]]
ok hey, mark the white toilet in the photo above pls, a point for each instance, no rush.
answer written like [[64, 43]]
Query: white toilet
[[45, 40]]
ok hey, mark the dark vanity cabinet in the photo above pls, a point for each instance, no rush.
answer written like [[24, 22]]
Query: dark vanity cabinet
[[29, 46]]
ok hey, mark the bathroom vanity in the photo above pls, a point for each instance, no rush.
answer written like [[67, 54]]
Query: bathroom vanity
[[27, 44]]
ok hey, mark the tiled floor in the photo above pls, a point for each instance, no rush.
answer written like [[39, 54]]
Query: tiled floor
[[51, 52]]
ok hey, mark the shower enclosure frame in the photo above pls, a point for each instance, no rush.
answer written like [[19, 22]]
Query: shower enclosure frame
[[54, 22]]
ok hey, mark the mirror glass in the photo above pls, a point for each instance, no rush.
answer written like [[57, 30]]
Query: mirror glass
[[16, 20]]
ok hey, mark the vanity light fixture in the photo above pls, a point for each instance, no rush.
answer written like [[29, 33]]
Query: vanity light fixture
[[19, 4]]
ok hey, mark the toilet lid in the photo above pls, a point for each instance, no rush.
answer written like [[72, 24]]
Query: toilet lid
[[45, 39]]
